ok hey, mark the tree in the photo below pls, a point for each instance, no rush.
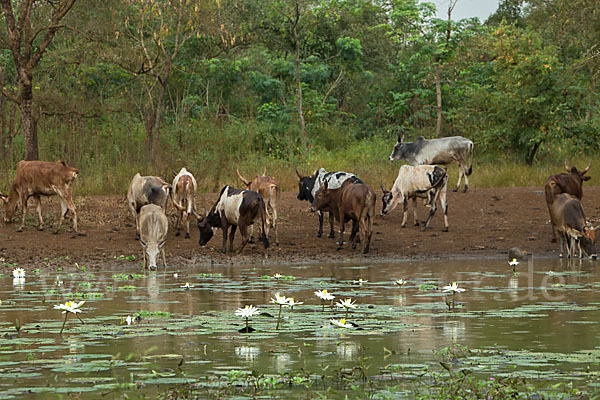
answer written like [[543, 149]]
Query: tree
[[30, 33]]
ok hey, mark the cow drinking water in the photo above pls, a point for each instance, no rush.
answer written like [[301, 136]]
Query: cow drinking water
[[153, 234], [567, 216], [437, 151], [235, 208]]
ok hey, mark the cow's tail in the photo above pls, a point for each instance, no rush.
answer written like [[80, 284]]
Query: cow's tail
[[262, 210], [472, 151], [177, 205]]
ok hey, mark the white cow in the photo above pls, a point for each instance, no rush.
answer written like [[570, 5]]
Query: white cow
[[153, 234]]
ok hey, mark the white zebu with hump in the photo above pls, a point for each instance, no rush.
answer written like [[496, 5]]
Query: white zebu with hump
[[423, 181], [441, 151], [183, 198]]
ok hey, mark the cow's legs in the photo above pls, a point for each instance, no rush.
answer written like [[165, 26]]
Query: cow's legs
[[186, 222], [444, 204], [224, 228], [274, 223], [177, 222], [67, 197], [562, 245], [38, 209], [354, 232], [414, 201], [466, 174], [342, 223], [232, 236], [405, 202], [368, 233], [320, 231], [63, 211], [137, 222], [245, 237], [24, 206], [331, 232], [162, 252]]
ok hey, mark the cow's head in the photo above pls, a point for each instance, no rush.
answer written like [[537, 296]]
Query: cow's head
[[580, 174], [305, 185], [152, 250], [588, 241], [207, 226], [399, 151], [10, 204], [386, 199], [322, 198]]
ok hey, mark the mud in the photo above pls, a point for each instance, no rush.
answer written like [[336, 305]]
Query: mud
[[483, 223]]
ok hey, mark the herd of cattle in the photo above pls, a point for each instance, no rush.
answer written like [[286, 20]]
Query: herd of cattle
[[343, 195]]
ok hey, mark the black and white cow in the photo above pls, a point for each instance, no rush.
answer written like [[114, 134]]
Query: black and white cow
[[308, 186], [235, 208], [146, 190], [423, 181], [442, 151]]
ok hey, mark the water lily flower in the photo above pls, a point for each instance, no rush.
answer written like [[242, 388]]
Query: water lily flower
[[58, 281], [277, 276], [360, 281], [175, 275], [341, 323], [247, 312], [19, 273], [129, 320], [347, 305], [187, 286], [282, 301], [453, 287], [292, 303], [400, 282], [70, 307], [324, 295], [513, 264]]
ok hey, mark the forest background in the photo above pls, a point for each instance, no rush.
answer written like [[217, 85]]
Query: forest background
[[115, 87]]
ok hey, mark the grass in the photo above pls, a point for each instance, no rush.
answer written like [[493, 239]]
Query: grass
[[110, 155]]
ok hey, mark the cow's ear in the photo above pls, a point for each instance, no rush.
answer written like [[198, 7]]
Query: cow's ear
[[586, 178]]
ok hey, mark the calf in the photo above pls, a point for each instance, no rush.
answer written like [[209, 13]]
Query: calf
[[238, 208], [183, 198], [269, 190], [153, 234], [41, 178], [309, 185], [146, 190], [571, 183], [567, 216], [354, 202], [424, 181]]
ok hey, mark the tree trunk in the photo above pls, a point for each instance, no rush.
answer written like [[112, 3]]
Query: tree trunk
[[28, 120], [298, 80], [438, 94], [534, 150]]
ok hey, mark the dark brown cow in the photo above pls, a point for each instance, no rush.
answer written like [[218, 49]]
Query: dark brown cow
[[42, 178], [571, 183], [269, 190], [567, 216], [235, 208], [352, 201]]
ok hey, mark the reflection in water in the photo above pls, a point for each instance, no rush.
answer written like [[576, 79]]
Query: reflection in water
[[347, 351], [247, 353], [400, 300], [513, 284], [454, 330], [282, 360], [19, 283]]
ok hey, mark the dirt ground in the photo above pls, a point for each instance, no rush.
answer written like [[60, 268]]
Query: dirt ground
[[483, 223]]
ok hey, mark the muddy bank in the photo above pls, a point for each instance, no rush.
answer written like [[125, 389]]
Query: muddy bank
[[483, 223]]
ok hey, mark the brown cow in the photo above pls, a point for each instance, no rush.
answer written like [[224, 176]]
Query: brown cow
[[571, 183], [183, 198], [41, 178], [269, 190], [352, 201], [567, 216]]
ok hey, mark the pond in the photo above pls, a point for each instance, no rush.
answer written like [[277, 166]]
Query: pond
[[540, 324]]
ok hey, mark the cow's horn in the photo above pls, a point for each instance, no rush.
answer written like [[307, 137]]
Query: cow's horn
[[246, 182], [586, 168], [265, 171], [382, 188], [566, 166], [297, 172], [315, 173], [401, 138]]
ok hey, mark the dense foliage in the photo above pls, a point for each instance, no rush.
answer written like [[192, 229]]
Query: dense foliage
[[211, 83]]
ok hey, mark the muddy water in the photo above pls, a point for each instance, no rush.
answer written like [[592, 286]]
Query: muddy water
[[543, 320]]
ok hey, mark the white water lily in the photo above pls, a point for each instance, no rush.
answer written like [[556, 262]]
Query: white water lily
[[292, 302], [324, 295], [247, 312], [175, 275], [19, 273], [129, 320], [281, 300], [187, 286], [277, 276], [348, 303], [70, 306], [58, 281], [342, 323], [513, 263], [453, 287], [360, 281], [400, 282]]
